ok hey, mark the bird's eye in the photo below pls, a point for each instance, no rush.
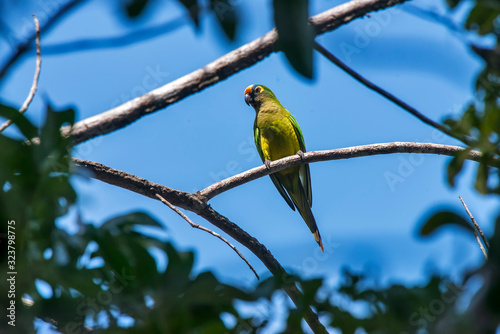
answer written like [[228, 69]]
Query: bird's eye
[[258, 90]]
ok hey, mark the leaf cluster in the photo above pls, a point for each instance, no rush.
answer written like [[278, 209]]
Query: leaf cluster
[[481, 118]]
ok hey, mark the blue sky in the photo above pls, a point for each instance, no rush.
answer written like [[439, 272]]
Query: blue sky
[[366, 222]]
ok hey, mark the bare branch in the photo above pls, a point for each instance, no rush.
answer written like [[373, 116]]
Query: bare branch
[[198, 226], [220, 69], [34, 85], [466, 140], [25, 46], [476, 229], [194, 204], [336, 154]]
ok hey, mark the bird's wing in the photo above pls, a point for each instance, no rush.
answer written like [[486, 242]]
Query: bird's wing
[[304, 172], [277, 183]]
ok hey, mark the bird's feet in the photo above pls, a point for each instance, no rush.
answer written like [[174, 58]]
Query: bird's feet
[[267, 163], [300, 154]]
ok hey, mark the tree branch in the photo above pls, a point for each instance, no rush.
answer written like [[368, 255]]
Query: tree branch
[[336, 154], [464, 139], [24, 46], [476, 229], [194, 204], [198, 226], [197, 202], [34, 85], [220, 69]]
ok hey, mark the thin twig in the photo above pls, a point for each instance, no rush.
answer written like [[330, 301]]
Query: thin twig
[[466, 140], [214, 72], [198, 226], [34, 85], [477, 228], [336, 154]]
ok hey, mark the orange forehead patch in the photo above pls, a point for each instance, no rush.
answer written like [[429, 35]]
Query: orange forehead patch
[[248, 89]]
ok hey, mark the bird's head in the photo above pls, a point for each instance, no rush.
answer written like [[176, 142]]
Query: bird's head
[[255, 95]]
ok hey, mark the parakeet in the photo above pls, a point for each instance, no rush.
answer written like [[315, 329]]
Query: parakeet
[[277, 135]]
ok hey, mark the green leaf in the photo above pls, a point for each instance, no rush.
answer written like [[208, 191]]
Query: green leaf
[[452, 3], [23, 124], [456, 164], [227, 16], [125, 223], [179, 265], [310, 288], [482, 17], [481, 183], [295, 35], [494, 251], [50, 134], [442, 218], [134, 8], [146, 270], [193, 9]]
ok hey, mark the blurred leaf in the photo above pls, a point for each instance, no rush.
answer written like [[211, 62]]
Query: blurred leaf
[[50, 136], [456, 164], [227, 16], [193, 9], [481, 183], [295, 36], [179, 265], [125, 223], [443, 218], [23, 124], [494, 251], [482, 17], [134, 8], [491, 56]]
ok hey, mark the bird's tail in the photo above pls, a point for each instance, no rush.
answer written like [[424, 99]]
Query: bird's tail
[[304, 208]]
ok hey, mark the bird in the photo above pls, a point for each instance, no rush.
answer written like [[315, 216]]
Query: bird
[[277, 135]]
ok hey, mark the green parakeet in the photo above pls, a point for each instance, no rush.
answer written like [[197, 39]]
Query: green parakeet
[[277, 135]]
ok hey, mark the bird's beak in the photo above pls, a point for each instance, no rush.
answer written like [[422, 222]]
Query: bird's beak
[[248, 95], [248, 98]]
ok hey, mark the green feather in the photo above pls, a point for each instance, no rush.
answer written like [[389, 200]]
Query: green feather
[[277, 184], [277, 135]]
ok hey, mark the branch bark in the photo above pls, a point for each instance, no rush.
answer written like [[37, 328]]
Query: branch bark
[[220, 69], [476, 228], [336, 154]]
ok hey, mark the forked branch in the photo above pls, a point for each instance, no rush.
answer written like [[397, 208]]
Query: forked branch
[[194, 204]]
